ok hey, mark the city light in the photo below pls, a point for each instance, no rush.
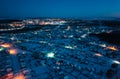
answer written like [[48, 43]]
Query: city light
[[1, 48], [98, 54], [19, 76], [32, 54], [103, 45], [112, 48], [50, 55], [9, 76], [12, 51], [117, 62], [83, 36], [12, 38], [6, 45], [68, 27], [69, 47]]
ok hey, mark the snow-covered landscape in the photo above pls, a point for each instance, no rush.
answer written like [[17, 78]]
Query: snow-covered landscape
[[59, 52]]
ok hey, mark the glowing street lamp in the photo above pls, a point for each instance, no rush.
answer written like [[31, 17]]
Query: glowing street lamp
[[1, 48], [19, 76], [98, 54], [51, 55], [12, 51], [112, 48], [6, 45], [117, 62]]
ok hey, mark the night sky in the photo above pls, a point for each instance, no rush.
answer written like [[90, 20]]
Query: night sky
[[59, 8]]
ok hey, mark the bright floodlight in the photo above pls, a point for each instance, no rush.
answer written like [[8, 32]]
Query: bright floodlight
[[117, 62], [69, 47], [1, 48], [103, 45], [50, 55]]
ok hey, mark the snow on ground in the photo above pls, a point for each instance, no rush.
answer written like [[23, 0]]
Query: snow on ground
[[60, 53]]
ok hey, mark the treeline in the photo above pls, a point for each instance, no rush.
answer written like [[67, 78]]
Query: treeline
[[112, 23], [9, 21], [113, 37]]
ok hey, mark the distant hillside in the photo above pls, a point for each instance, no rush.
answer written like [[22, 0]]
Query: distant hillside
[[9, 21], [112, 23]]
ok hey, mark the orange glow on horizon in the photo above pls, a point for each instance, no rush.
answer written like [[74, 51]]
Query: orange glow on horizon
[[19, 76], [6, 45], [12, 51], [112, 48]]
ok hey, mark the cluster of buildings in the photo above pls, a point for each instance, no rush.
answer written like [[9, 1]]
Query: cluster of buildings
[[11, 26], [29, 23], [44, 22], [61, 52]]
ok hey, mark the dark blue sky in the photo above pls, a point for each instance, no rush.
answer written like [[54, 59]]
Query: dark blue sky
[[59, 8]]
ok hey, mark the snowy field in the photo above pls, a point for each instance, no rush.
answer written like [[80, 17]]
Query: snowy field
[[59, 52]]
